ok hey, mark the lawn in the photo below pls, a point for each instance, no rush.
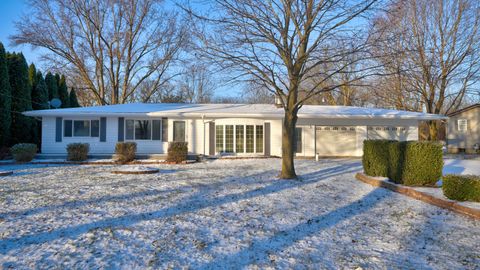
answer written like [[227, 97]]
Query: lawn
[[223, 214]]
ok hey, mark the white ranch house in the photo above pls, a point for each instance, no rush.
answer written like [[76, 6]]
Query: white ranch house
[[223, 129]]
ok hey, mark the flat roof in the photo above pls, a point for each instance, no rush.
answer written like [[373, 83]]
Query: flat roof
[[233, 110]]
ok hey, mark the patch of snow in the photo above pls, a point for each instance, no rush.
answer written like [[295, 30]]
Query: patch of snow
[[223, 214], [461, 166]]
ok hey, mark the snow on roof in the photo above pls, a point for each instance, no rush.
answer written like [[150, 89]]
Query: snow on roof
[[232, 110]]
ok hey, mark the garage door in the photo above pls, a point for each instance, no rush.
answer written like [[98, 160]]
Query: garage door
[[388, 133], [336, 140]]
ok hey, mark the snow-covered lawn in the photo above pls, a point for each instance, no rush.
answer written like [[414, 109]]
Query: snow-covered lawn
[[461, 166], [223, 214]]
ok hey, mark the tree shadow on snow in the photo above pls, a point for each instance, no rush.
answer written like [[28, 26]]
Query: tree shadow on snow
[[201, 200]]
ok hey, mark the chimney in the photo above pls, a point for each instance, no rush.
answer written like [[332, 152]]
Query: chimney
[[278, 101]]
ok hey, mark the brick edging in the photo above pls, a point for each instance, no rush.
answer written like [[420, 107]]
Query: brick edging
[[421, 196]]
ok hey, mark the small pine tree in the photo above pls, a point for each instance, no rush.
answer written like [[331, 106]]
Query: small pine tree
[[73, 99], [22, 126], [63, 92], [52, 86], [5, 99], [40, 93]]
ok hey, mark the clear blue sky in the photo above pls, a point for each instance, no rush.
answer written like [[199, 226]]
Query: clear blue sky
[[12, 10]]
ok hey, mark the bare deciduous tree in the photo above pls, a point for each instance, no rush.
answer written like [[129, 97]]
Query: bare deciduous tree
[[196, 84], [114, 47], [280, 44], [434, 47]]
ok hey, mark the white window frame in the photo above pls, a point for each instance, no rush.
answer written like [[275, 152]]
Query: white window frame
[[462, 123], [89, 128], [151, 129], [244, 139]]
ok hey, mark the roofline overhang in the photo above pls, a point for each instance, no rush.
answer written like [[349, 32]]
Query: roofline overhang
[[235, 115]]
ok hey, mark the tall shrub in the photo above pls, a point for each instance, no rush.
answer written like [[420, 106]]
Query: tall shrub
[[375, 157], [73, 101], [63, 92], [5, 99], [21, 125], [396, 157], [40, 93], [423, 163], [52, 87]]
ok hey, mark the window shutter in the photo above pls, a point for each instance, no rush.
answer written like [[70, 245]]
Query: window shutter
[[103, 129], [121, 129], [211, 141], [164, 129], [267, 139], [58, 129]]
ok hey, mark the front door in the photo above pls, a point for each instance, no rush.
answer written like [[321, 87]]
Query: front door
[[178, 131]]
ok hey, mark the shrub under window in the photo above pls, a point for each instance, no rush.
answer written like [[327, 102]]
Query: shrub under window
[[125, 151], [77, 151], [24, 152]]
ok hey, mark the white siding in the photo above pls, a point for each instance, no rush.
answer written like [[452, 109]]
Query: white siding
[[197, 134], [50, 146]]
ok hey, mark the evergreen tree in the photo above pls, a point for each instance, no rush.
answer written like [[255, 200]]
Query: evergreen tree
[[5, 99], [51, 86], [22, 126], [63, 91], [40, 93], [32, 75], [73, 99]]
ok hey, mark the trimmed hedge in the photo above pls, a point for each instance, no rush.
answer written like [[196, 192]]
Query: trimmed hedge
[[77, 151], [24, 152], [125, 151], [409, 163], [461, 187], [423, 164], [375, 157], [177, 152]]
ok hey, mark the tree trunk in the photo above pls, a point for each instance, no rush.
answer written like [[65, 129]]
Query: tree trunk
[[288, 137], [433, 130]]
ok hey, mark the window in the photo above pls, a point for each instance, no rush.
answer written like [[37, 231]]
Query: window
[[298, 140], [462, 125], [239, 139], [143, 129], [129, 128], [219, 138], [229, 138], [156, 130], [259, 139], [95, 132], [67, 132], [178, 131], [250, 139], [81, 128]]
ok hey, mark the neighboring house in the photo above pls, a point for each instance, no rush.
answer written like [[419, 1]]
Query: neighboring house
[[231, 129], [464, 130]]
